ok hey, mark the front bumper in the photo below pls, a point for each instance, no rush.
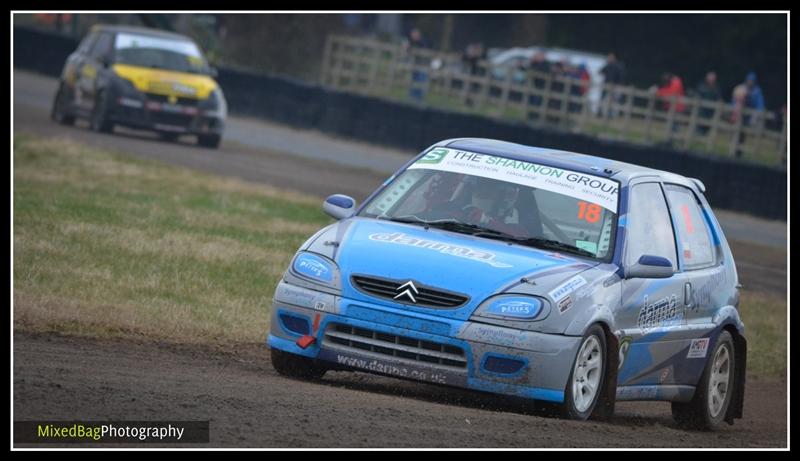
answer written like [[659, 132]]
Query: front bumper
[[165, 117], [391, 341]]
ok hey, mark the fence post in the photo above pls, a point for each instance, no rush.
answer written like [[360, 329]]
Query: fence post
[[648, 118], [737, 131], [326, 57], [673, 102], [714, 128], [504, 95], [626, 120], [691, 131]]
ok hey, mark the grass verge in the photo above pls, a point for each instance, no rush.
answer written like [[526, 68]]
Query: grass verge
[[107, 245]]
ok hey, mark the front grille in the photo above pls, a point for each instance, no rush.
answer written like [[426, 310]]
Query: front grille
[[165, 99], [402, 347], [389, 289], [168, 118]]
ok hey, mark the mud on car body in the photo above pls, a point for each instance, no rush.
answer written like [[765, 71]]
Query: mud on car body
[[523, 271], [145, 79]]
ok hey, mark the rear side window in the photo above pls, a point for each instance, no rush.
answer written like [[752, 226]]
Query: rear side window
[[102, 46], [692, 231], [649, 229], [87, 43]]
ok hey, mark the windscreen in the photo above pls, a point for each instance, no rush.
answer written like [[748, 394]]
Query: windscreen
[[159, 52], [498, 197]]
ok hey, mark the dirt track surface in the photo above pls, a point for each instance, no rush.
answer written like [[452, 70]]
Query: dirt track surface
[[250, 405]]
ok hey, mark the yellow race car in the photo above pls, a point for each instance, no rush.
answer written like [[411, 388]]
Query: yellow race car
[[144, 79]]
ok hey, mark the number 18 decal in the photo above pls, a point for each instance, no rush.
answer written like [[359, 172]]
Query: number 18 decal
[[589, 211]]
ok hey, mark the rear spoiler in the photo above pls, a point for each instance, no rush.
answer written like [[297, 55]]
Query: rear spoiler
[[699, 184]]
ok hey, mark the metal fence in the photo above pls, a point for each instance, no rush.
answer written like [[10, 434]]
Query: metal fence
[[444, 80]]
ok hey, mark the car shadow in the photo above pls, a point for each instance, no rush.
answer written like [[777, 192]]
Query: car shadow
[[472, 399]]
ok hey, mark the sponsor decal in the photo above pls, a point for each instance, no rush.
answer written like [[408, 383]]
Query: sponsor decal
[[698, 348], [624, 347], [378, 366], [593, 189], [519, 308], [664, 375], [442, 247], [434, 156], [564, 304], [567, 287], [314, 267], [663, 312], [320, 306]]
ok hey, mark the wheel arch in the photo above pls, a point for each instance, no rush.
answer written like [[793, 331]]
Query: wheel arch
[[604, 408], [736, 406]]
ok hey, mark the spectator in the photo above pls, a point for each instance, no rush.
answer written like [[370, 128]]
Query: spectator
[[419, 77], [707, 90], [540, 68], [613, 76], [671, 88], [473, 55], [746, 95]]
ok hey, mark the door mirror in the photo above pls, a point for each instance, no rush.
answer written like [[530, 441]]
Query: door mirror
[[339, 206], [650, 267], [106, 60]]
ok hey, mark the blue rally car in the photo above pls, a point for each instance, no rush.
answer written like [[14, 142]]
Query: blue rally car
[[523, 271]]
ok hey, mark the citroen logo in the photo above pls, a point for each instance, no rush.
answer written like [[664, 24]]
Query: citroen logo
[[409, 290]]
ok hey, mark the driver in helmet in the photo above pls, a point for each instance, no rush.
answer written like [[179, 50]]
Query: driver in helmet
[[491, 204]]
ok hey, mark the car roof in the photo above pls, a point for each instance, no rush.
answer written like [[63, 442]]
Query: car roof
[[139, 31], [589, 164]]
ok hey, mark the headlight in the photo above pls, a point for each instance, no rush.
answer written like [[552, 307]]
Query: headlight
[[515, 308], [315, 268], [125, 87], [215, 105]]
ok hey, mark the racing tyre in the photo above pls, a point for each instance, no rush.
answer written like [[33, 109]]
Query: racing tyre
[[211, 141], [99, 120], [587, 379], [707, 409], [57, 112], [295, 366]]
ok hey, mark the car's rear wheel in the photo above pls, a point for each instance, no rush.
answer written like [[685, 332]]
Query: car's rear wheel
[[708, 407], [210, 141], [99, 120], [58, 111], [296, 366], [586, 380]]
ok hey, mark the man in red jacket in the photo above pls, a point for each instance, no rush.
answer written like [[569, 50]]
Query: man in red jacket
[[671, 87]]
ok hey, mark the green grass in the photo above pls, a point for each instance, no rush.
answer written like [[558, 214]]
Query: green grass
[[109, 245], [766, 329]]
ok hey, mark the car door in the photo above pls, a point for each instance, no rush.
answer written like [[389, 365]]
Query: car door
[[90, 68], [652, 317], [701, 259]]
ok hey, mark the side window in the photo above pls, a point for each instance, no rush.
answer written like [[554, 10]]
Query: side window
[[649, 229], [692, 230], [102, 46], [87, 43]]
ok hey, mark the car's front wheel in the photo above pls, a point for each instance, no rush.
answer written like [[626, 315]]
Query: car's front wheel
[[586, 380], [210, 141], [295, 366], [708, 407], [99, 120], [58, 111]]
